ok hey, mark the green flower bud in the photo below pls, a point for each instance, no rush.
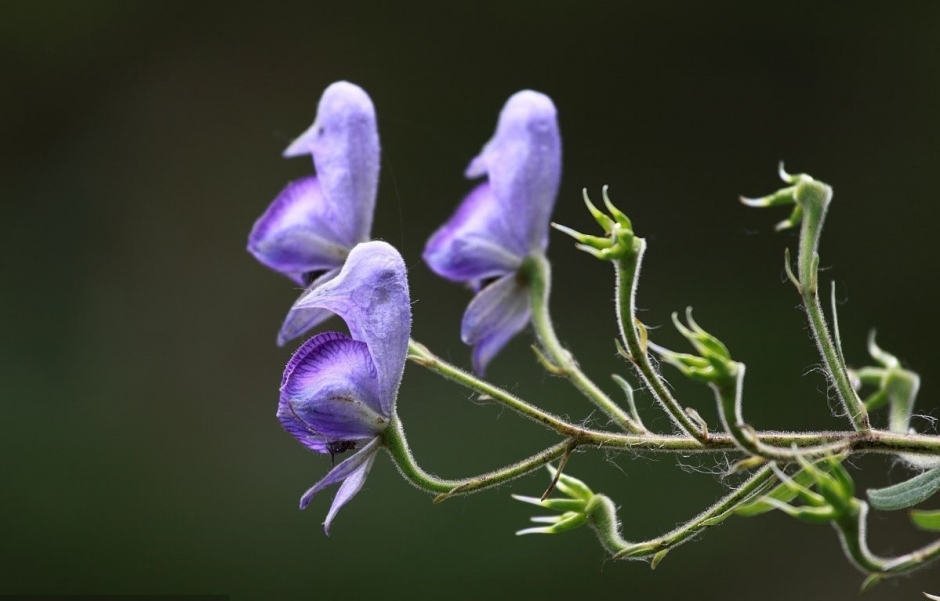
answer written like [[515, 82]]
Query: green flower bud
[[618, 240], [713, 364], [573, 510]]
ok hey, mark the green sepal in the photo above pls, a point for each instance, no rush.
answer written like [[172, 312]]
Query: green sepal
[[574, 509], [810, 515], [554, 504], [571, 486], [870, 582], [618, 241], [926, 520], [627, 392], [784, 492], [884, 358], [837, 486], [712, 365], [804, 193], [602, 220], [597, 242], [619, 216], [658, 558], [558, 524], [907, 493]]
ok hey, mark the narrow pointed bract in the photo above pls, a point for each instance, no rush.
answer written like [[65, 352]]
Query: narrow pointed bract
[[502, 221], [309, 229], [338, 392]]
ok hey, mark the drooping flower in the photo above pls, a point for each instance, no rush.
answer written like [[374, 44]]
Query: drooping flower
[[338, 392], [501, 222], [309, 229]]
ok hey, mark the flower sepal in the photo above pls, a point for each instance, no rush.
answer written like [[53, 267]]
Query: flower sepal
[[805, 194], [618, 240], [833, 501], [712, 365], [575, 508]]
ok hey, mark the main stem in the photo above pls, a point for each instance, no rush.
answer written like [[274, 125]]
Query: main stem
[[872, 441]]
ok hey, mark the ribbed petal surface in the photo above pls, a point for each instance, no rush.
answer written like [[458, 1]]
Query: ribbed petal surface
[[371, 295], [329, 393], [494, 316]]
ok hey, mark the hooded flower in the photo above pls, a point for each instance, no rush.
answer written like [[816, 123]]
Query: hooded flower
[[309, 229], [501, 222], [338, 392]]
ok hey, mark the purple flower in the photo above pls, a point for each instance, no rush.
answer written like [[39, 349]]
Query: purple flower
[[309, 229], [338, 392], [501, 222]]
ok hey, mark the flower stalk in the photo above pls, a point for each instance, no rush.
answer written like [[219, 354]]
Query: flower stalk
[[395, 443], [560, 361], [811, 201], [625, 250]]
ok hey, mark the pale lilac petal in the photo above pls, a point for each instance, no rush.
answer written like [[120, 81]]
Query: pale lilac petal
[[371, 295], [476, 242], [347, 490], [344, 469], [493, 317], [296, 235], [344, 142], [523, 164], [477, 167], [301, 320], [329, 393]]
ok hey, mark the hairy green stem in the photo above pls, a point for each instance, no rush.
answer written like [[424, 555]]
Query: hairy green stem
[[872, 441], [603, 519], [852, 534], [729, 394], [393, 438], [539, 272], [420, 354], [627, 269], [814, 198]]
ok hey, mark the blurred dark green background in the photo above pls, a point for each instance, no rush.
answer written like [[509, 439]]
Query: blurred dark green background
[[139, 377]]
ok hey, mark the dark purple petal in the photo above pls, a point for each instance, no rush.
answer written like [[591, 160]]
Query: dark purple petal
[[297, 233], [371, 295], [493, 317], [523, 164], [299, 321], [476, 242], [353, 470], [344, 142], [329, 393]]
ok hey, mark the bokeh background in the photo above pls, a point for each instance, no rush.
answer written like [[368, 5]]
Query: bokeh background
[[138, 370]]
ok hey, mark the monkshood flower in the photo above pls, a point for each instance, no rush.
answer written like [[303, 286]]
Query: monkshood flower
[[501, 222], [338, 392], [309, 229]]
